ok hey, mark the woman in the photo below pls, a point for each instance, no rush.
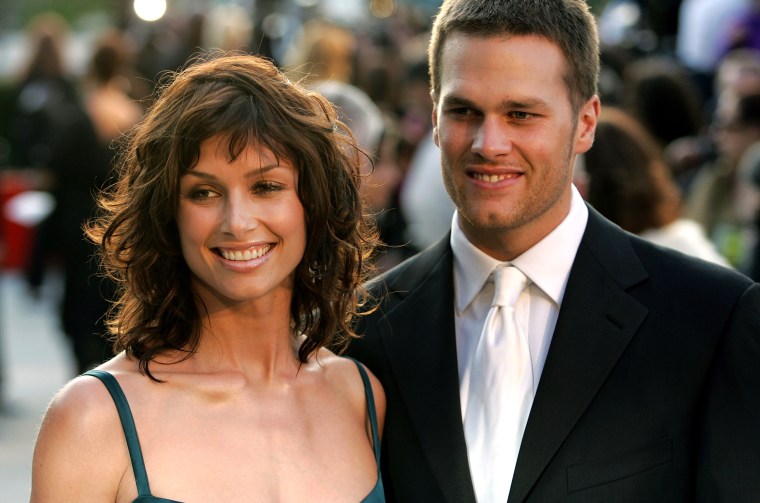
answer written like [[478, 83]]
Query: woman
[[236, 235]]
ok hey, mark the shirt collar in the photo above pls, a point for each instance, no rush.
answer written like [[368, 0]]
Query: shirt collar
[[547, 263]]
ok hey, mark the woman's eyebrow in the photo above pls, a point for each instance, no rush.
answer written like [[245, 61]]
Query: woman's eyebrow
[[253, 172]]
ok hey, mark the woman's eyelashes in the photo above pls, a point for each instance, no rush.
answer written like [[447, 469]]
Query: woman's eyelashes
[[262, 187], [267, 186], [202, 194]]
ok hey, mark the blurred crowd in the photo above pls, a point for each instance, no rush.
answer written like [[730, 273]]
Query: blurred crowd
[[676, 158]]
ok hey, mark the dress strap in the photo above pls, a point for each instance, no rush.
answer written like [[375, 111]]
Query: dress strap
[[370, 409], [128, 425]]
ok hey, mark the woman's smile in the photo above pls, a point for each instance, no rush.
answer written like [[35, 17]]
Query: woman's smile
[[244, 255]]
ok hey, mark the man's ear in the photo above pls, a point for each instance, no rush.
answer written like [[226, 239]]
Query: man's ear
[[588, 116], [435, 124]]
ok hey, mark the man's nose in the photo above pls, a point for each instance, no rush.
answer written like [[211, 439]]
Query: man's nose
[[492, 138]]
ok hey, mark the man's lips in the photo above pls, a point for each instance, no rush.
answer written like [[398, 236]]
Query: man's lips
[[493, 178]]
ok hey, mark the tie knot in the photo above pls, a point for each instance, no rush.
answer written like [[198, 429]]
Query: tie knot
[[509, 282]]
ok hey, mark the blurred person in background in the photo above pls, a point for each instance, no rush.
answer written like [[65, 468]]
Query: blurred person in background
[[108, 95], [659, 93], [110, 112], [45, 95], [377, 133], [56, 134], [325, 51], [722, 198], [628, 182], [738, 74], [415, 107], [424, 203], [35, 104], [189, 36]]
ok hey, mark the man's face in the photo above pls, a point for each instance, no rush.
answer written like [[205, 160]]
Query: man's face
[[508, 137], [732, 137]]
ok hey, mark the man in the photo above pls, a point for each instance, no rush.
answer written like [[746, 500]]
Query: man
[[645, 363]]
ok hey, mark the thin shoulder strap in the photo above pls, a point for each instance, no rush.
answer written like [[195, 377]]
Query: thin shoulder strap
[[128, 425], [370, 408]]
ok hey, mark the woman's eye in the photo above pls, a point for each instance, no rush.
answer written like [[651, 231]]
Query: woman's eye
[[201, 194], [265, 186]]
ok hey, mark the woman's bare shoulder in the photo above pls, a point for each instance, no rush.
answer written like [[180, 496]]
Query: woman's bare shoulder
[[84, 402], [344, 372], [79, 441]]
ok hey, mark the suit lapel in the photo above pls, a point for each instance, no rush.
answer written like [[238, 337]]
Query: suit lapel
[[421, 350], [596, 322]]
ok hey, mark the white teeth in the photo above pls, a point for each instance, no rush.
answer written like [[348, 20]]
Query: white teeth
[[490, 178], [248, 254]]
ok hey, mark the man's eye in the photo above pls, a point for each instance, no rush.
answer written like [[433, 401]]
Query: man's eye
[[461, 111], [521, 115]]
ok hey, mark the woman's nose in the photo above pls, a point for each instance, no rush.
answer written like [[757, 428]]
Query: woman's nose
[[240, 215]]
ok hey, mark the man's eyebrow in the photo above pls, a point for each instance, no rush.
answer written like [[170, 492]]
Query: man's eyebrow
[[509, 104], [450, 101], [522, 103]]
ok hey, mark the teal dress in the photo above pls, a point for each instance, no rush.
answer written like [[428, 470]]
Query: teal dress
[[135, 454]]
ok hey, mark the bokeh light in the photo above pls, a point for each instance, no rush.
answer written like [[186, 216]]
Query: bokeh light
[[150, 10]]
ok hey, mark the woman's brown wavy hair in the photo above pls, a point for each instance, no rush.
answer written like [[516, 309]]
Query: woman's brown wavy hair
[[249, 101]]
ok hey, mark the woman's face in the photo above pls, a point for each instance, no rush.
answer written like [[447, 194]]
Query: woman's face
[[241, 224]]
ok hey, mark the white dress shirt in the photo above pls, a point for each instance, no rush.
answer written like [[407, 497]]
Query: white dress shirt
[[547, 266]]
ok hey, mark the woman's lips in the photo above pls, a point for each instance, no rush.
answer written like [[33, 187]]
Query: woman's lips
[[245, 255]]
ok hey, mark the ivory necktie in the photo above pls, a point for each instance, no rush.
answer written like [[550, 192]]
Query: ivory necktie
[[501, 392]]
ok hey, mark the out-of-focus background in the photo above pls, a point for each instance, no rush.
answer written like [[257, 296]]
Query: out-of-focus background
[[675, 159]]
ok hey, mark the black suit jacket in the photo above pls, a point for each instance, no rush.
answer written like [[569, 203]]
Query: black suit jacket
[[650, 391]]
